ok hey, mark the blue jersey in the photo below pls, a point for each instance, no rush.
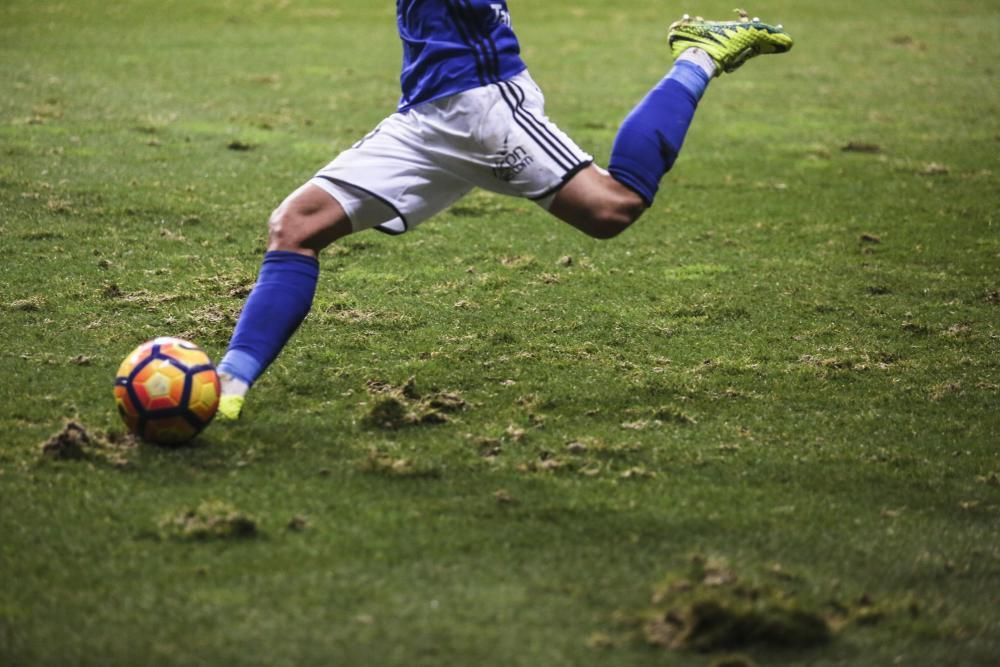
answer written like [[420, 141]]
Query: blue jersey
[[454, 45]]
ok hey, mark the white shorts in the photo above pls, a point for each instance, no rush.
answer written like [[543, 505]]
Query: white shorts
[[416, 164]]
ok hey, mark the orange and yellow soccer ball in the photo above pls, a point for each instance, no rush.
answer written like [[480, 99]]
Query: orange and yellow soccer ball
[[167, 390]]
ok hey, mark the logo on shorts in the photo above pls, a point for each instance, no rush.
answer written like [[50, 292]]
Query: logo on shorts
[[510, 163]]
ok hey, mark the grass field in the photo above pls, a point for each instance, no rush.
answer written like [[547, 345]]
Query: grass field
[[763, 422]]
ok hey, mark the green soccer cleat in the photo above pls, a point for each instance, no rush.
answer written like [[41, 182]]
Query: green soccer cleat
[[729, 43], [230, 406]]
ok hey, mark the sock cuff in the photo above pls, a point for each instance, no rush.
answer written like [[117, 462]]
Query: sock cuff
[[290, 258], [625, 172], [691, 76], [700, 58], [240, 365]]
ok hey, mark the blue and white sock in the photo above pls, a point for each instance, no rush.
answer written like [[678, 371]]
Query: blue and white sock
[[279, 302], [650, 139]]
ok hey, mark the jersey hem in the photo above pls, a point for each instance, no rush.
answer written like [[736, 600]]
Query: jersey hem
[[403, 108]]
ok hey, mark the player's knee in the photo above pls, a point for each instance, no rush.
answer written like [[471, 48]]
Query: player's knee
[[282, 230], [290, 229], [307, 221]]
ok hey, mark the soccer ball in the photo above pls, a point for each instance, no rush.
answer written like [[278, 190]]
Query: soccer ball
[[167, 390]]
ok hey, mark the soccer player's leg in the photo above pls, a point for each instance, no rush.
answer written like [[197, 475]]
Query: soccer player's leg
[[650, 139], [522, 153], [605, 203], [306, 222], [388, 181]]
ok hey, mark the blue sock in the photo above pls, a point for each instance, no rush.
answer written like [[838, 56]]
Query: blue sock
[[276, 307], [651, 137]]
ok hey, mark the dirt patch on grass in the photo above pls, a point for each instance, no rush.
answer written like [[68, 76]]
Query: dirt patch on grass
[[69, 443], [861, 147], [712, 608], [211, 322], [240, 145], [235, 285], [389, 412], [32, 304], [722, 624], [211, 520], [141, 297], [387, 464], [75, 442], [850, 361], [934, 169], [297, 523], [992, 479], [940, 391], [394, 407]]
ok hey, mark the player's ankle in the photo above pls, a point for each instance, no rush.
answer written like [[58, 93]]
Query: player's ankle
[[700, 58], [232, 385]]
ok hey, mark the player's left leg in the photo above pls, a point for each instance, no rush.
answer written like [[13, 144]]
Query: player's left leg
[[307, 221], [387, 181]]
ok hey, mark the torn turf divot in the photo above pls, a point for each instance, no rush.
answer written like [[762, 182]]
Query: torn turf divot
[[75, 442], [210, 520], [395, 407]]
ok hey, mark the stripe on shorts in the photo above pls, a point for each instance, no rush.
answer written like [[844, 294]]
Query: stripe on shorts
[[524, 120], [544, 127], [529, 130]]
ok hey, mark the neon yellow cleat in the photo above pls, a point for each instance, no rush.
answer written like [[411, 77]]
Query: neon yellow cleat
[[230, 406], [729, 43]]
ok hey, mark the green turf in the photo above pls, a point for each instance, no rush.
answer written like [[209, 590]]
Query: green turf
[[791, 365]]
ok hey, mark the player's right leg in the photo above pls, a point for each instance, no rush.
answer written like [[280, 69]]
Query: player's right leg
[[650, 139], [603, 204], [597, 204], [729, 43]]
